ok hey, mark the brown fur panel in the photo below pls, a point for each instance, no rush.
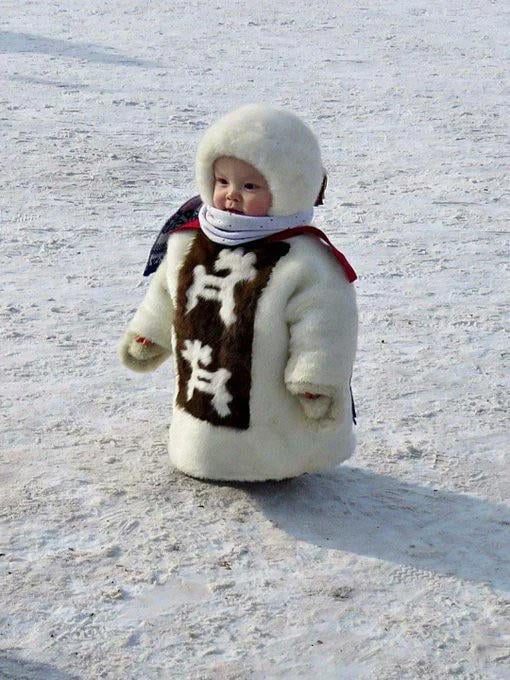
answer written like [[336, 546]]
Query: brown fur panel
[[231, 344]]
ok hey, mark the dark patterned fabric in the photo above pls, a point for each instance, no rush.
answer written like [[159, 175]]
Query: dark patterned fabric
[[187, 212], [218, 324]]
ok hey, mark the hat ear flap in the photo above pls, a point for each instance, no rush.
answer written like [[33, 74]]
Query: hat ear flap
[[320, 198]]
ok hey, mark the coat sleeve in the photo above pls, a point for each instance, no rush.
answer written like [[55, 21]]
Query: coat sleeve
[[322, 320], [152, 320]]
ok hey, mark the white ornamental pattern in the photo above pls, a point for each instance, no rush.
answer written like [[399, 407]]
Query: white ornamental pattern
[[210, 382], [210, 287]]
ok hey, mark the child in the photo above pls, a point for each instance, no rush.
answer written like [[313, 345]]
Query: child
[[259, 315]]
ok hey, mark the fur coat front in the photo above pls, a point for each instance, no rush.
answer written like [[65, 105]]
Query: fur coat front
[[249, 329]]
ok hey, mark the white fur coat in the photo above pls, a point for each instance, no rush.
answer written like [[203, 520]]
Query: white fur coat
[[238, 417]]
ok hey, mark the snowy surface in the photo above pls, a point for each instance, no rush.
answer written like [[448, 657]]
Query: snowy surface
[[113, 565]]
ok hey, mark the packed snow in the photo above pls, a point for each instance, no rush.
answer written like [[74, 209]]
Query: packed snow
[[393, 566]]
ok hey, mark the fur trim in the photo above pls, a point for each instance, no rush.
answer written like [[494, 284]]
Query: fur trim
[[316, 409], [321, 408], [277, 143], [138, 358]]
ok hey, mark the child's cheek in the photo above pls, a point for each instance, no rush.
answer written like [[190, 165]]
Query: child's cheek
[[218, 200]]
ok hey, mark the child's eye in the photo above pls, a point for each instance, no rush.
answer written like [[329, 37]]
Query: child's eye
[[250, 186], [220, 180]]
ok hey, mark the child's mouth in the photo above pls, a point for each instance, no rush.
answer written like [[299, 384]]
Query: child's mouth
[[237, 212]]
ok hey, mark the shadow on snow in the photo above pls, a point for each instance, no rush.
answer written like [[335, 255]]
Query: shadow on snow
[[358, 511], [18, 669], [12, 43]]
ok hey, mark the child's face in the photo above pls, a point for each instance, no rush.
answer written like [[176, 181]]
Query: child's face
[[240, 188]]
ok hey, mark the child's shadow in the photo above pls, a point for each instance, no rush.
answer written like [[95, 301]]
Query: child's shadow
[[12, 668], [369, 514]]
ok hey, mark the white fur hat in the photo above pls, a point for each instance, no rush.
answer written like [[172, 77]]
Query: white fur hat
[[277, 143]]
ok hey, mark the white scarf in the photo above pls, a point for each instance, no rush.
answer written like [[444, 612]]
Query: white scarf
[[231, 229]]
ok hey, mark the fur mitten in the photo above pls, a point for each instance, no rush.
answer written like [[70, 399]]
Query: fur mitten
[[315, 408], [318, 408], [141, 357]]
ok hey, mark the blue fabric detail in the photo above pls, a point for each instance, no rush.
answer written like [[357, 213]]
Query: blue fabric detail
[[187, 212]]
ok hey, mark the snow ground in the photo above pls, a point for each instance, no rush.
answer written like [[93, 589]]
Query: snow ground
[[395, 566]]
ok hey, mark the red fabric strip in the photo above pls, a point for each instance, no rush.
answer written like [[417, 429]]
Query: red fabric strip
[[193, 224], [314, 231], [295, 231]]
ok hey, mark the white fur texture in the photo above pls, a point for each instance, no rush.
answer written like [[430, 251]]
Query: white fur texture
[[138, 357], [278, 143], [315, 408], [153, 320], [222, 288], [304, 340], [321, 406]]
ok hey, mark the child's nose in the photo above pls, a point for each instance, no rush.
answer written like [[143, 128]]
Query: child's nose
[[233, 194]]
